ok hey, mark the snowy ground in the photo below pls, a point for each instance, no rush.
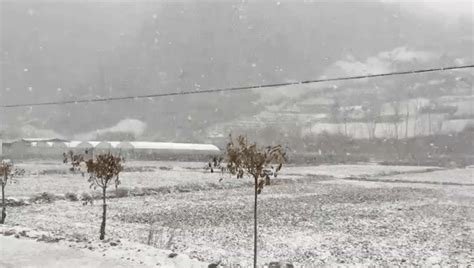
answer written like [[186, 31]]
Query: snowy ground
[[325, 215], [27, 253]]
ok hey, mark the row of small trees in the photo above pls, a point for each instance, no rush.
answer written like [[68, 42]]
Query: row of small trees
[[371, 114], [242, 158]]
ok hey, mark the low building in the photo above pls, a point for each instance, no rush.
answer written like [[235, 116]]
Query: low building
[[41, 148]]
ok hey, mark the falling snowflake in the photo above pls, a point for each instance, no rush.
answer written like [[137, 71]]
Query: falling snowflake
[[25, 70], [59, 89], [154, 16], [30, 89], [190, 118], [254, 65], [278, 3]]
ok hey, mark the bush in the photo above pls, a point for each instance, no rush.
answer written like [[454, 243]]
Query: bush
[[122, 192], [87, 198], [165, 168], [43, 198], [71, 196]]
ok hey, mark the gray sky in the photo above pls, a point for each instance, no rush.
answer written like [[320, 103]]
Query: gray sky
[[50, 52]]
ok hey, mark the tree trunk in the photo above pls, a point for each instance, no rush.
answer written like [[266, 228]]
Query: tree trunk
[[104, 214], [429, 123], [255, 225], [345, 127], [407, 118], [4, 213], [395, 129], [415, 120]]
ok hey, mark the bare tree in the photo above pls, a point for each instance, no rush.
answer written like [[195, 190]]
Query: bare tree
[[74, 159], [435, 108], [334, 113], [428, 109], [245, 158], [346, 114], [341, 114], [105, 169], [407, 113], [372, 110], [6, 172], [396, 117]]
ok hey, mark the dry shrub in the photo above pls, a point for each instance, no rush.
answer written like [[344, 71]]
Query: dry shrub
[[87, 198], [71, 196], [122, 192], [44, 197]]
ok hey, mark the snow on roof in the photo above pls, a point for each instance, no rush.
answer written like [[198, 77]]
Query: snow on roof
[[122, 145], [41, 139], [114, 144], [143, 145], [173, 146], [94, 143], [104, 145], [73, 144]]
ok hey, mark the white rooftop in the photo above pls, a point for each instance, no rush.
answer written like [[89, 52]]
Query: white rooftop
[[144, 145], [173, 146]]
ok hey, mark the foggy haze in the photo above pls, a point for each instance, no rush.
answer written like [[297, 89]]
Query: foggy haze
[[66, 51]]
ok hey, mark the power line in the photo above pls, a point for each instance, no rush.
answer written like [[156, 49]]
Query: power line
[[77, 101]]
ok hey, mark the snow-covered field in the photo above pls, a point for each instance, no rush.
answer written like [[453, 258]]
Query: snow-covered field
[[322, 215]]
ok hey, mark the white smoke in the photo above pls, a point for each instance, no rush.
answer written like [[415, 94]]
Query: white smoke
[[132, 126]]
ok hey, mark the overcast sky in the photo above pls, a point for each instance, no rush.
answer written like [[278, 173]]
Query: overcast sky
[[50, 52], [448, 8]]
